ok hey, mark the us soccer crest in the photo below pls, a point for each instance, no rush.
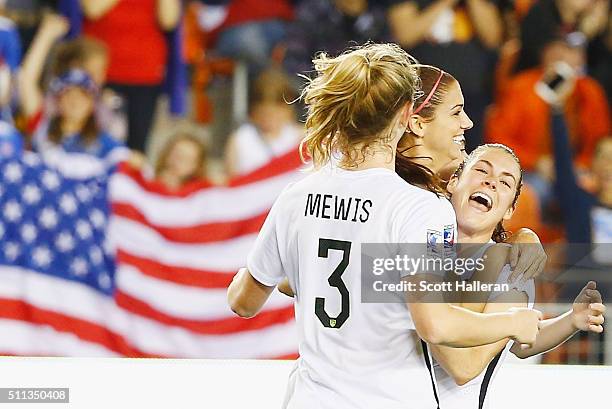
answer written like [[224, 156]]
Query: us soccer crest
[[449, 236], [449, 241]]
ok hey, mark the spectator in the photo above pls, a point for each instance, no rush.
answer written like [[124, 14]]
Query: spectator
[[338, 24], [550, 19], [74, 128], [11, 141], [84, 53], [251, 29], [91, 55], [65, 121], [182, 161], [133, 31], [272, 129], [460, 37], [521, 119]]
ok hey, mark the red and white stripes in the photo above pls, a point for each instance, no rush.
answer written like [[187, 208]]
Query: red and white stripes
[[176, 255]]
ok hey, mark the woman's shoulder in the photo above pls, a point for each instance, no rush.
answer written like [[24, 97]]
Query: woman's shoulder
[[498, 251]]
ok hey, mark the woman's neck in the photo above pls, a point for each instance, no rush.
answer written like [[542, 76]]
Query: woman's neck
[[374, 157], [479, 237], [419, 155]]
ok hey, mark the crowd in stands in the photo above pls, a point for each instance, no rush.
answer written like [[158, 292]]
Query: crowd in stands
[[83, 77], [88, 82]]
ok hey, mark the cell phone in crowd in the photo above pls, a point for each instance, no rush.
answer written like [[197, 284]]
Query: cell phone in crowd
[[550, 85]]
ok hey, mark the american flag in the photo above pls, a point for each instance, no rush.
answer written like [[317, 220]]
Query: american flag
[[120, 266]]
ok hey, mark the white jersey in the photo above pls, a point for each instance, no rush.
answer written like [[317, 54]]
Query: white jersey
[[352, 354], [474, 394]]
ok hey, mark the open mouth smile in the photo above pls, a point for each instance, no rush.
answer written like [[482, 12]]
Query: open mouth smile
[[481, 201]]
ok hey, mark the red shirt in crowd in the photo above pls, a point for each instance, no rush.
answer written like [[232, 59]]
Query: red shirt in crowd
[[244, 11], [135, 41]]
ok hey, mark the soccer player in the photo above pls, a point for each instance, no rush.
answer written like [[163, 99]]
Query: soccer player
[[484, 191], [353, 354]]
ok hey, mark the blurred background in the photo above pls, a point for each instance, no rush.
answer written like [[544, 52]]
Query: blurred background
[[143, 142]]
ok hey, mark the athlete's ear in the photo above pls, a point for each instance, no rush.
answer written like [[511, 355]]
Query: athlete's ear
[[452, 184], [406, 113], [416, 125], [509, 213]]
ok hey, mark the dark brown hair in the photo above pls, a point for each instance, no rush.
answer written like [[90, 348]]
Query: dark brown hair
[[162, 158], [405, 167], [499, 234]]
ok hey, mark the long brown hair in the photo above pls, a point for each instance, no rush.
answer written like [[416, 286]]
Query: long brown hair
[[499, 234], [354, 99], [427, 101]]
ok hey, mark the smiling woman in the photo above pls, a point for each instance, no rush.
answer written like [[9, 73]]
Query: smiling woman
[[488, 195], [435, 138], [484, 191]]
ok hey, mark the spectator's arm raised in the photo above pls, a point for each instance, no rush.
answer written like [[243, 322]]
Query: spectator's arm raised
[[53, 27]]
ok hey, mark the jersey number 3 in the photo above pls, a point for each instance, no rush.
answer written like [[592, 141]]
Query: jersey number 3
[[334, 280]]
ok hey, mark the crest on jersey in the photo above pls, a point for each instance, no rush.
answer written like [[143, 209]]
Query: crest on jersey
[[434, 243], [332, 323], [449, 236]]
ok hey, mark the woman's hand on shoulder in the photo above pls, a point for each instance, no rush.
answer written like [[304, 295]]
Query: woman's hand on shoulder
[[527, 255]]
